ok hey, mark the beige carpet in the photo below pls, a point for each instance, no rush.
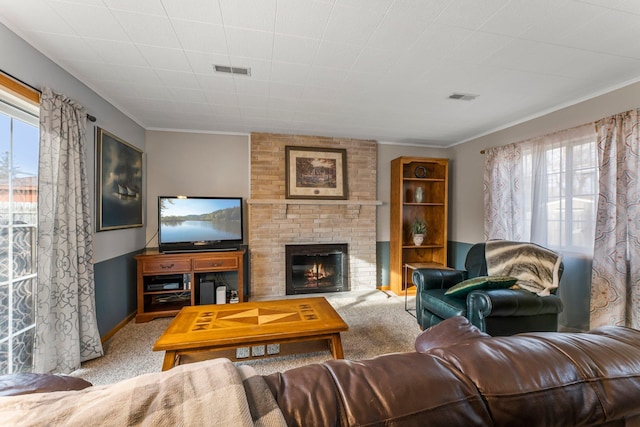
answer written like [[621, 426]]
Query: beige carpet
[[378, 324]]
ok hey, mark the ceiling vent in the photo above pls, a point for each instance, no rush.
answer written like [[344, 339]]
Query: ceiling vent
[[232, 70], [463, 96]]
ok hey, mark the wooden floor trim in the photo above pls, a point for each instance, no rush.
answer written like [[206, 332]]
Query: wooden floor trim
[[119, 326]]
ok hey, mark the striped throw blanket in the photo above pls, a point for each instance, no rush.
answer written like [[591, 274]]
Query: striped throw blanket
[[209, 393], [536, 268]]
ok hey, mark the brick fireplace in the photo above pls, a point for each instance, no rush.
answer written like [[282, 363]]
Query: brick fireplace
[[275, 221]]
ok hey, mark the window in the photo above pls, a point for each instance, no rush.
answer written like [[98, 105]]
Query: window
[[561, 191], [544, 190], [19, 141]]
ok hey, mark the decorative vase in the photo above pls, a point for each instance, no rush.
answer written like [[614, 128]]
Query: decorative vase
[[419, 195], [418, 239]]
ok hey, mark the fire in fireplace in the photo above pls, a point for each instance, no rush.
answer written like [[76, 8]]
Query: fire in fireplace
[[317, 268]]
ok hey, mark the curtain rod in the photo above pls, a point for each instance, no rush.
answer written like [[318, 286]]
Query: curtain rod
[[595, 124], [35, 89]]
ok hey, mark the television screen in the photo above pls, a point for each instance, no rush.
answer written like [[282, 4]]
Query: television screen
[[199, 223]]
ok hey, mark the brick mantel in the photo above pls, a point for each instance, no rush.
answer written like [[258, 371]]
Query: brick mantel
[[352, 204], [311, 202], [275, 221]]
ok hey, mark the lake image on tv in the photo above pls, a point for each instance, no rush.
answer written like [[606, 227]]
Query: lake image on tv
[[187, 231], [200, 220]]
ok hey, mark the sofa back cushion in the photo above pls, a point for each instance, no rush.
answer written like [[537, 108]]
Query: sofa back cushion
[[406, 389], [549, 378]]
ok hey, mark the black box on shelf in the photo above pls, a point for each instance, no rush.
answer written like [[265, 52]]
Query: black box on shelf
[[173, 282], [207, 293]]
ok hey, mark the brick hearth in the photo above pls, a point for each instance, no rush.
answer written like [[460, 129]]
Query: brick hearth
[[275, 221]]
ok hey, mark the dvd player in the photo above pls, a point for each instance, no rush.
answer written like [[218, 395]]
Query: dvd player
[[168, 286]]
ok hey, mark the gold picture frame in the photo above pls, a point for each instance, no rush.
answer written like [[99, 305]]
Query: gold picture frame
[[316, 173], [118, 183]]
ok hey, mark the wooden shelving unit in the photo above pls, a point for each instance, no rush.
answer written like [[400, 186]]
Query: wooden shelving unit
[[407, 175]]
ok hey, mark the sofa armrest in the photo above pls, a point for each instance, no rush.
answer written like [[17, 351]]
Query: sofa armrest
[[433, 278], [509, 303], [27, 383]]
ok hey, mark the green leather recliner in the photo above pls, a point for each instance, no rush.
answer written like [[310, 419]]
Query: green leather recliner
[[498, 312]]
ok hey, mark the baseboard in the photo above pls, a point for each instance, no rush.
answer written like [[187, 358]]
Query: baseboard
[[119, 326]]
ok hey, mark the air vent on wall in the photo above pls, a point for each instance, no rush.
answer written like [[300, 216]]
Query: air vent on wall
[[232, 70], [463, 96]]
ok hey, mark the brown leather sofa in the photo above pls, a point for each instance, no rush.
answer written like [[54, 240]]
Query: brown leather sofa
[[458, 376]]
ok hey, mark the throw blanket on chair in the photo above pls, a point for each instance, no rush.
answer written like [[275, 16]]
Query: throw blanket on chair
[[535, 267]]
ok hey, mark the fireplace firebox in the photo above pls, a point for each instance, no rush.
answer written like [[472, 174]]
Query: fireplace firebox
[[317, 268]]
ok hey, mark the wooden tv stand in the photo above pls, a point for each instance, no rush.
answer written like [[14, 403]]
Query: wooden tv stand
[[168, 282]]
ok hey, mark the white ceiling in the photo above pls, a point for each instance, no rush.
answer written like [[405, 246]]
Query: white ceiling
[[373, 69]]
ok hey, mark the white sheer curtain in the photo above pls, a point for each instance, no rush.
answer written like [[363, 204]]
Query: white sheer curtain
[[540, 190], [615, 281], [66, 326]]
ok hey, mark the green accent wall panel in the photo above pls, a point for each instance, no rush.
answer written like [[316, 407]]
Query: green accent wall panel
[[382, 263], [458, 253], [116, 293]]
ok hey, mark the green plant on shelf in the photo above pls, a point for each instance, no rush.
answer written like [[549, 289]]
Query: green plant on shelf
[[418, 227], [418, 230]]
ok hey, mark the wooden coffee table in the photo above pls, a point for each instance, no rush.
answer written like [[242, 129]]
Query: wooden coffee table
[[252, 330]]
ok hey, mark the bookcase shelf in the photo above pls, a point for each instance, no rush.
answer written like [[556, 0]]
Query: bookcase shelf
[[411, 176]]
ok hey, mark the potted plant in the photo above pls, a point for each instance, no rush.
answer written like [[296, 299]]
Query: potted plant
[[418, 229]]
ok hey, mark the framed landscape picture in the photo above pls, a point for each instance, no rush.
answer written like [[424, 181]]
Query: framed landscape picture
[[118, 182], [316, 173]]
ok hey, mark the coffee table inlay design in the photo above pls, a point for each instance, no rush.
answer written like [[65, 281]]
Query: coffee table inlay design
[[290, 326]]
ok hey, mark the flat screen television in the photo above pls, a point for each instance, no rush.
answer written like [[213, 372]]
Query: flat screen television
[[193, 223]]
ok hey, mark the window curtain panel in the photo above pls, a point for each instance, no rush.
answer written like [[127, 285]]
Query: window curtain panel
[[66, 327], [503, 197], [615, 281]]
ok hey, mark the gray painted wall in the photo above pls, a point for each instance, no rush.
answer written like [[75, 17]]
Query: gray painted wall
[[195, 164], [29, 65]]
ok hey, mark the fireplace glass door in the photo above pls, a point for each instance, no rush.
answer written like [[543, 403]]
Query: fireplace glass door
[[316, 268]]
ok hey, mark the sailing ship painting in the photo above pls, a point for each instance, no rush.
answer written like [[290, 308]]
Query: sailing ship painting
[[119, 177], [126, 191]]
